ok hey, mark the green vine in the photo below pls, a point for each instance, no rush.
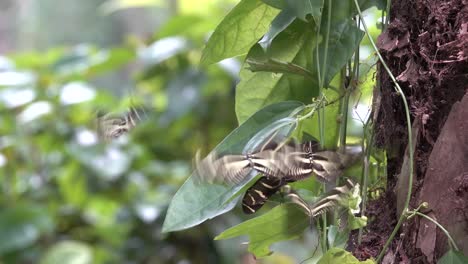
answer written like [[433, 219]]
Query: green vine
[[410, 143]]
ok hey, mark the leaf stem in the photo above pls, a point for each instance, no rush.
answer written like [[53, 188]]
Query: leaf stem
[[451, 241]]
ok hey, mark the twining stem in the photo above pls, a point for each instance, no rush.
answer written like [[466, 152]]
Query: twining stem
[[451, 241], [410, 142], [387, 13], [365, 175]]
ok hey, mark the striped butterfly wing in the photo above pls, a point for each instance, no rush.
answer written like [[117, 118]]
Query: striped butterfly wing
[[299, 162], [111, 127], [331, 199], [233, 169], [328, 165], [257, 195], [229, 169], [280, 166]]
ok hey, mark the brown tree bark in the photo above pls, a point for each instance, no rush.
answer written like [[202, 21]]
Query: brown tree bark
[[426, 47]]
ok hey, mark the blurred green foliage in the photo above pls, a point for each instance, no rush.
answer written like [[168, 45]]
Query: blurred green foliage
[[68, 197]]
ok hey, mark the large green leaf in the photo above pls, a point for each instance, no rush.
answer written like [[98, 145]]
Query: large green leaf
[[346, 9], [331, 122], [302, 8], [344, 38], [239, 30], [70, 252], [284, 222], [341, 256], [281, 22], [453, 257], [21, 226], [257, 89], [196, 202]]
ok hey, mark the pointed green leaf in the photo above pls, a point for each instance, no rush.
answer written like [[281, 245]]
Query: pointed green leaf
[[453, 257], [343, 41], [284, 222], [239, 31], [257, 89], [195, 203], [341, 256]]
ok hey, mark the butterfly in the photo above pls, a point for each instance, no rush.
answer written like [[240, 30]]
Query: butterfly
[[110, 127], [279, 164]]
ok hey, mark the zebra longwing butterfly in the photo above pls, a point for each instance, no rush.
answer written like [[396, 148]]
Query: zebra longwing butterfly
[[279, 165], [257, 195], [297, 164], [110, 127]]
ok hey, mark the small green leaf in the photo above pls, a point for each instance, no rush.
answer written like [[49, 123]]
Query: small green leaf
[[284, 222], [356, 222], [341, 256], [21, 226], [68, 252], [453, 257], [239, 31], [337, 237], [195, 203]]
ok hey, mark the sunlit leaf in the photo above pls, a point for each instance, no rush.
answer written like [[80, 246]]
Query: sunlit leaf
[[21, 226], [195, 203], [453, 257], [239, 31], [33, 59], [71, 252], [284, 222], [341, 256], [179, 25]]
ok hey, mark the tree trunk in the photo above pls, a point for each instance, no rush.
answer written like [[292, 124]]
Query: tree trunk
[[426, 48]]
